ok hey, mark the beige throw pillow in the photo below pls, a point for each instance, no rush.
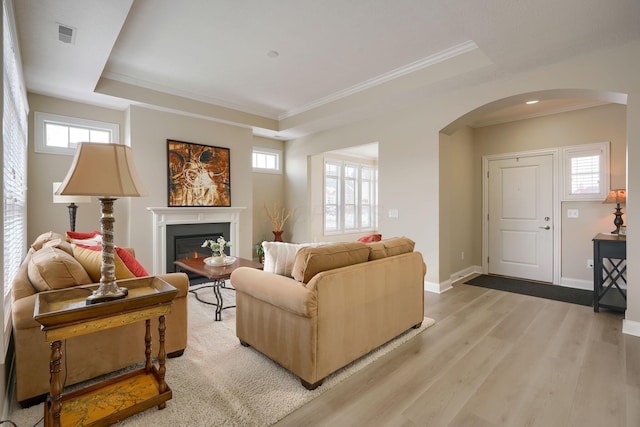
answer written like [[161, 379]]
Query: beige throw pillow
[[398, 245], [312, 260], [52, 268]]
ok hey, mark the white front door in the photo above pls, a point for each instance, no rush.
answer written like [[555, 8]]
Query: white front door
[[521, 217]]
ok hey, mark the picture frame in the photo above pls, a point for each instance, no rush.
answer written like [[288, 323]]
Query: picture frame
[[198, 175]]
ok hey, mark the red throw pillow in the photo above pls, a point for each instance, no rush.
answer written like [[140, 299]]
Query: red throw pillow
[[131, 262], [370, 238], [82, 236], [92, 238]]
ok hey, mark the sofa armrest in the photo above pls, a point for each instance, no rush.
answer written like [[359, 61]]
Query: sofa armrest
[[279, 291]]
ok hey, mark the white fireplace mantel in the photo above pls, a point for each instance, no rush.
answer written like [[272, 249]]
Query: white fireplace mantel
[[163, 216]]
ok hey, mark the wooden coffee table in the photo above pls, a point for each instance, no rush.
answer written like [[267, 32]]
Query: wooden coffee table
[[217, 275]]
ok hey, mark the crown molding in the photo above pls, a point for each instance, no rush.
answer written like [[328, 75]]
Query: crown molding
[[420, 64]]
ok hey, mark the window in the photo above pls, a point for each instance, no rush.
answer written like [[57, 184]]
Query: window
[[56, 134], [350, 196], [267, 160], [586, 171], [14, 167]]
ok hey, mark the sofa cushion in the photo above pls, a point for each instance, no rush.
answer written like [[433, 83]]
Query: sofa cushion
[[312, 260], [44, 238], [378, 251], [52, 268], [91, 258], [390, 247], [279, 257], [60, 244], [398, 245]]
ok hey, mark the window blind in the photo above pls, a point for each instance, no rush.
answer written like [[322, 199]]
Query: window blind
[[14, 157], [585, 175]]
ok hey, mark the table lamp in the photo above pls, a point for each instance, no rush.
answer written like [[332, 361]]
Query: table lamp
[[72, 204], [617, 196], [106, 171]]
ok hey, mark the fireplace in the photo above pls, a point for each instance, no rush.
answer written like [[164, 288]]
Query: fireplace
[[185, 240], [165, 218]]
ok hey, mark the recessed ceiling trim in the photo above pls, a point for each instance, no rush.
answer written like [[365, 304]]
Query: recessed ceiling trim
[[441, 56], [122, 78]]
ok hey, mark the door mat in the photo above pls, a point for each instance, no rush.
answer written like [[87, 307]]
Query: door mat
[[541, 290]]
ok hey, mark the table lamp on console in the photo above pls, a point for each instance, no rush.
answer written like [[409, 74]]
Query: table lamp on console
[[108, 172], [617, 196]]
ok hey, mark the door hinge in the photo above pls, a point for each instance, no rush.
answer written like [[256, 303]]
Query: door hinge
[[487, 260]]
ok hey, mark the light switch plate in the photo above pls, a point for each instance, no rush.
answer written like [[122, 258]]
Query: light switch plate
[[573, 213]]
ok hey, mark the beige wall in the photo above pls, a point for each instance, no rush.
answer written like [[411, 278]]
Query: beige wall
[[44, 169], [591, 125], [149, 131], [460, 198], [409, 144], [268, 188]]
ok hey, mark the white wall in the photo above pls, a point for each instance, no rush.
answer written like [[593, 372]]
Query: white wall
[[409, 149]]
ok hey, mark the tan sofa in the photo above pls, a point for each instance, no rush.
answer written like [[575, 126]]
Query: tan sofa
[[342, 301], [86, 356]]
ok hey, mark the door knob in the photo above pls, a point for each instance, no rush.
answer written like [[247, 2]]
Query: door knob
[[545, 227]]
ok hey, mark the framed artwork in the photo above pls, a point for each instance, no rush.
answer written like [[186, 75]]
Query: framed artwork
[[199, 175]]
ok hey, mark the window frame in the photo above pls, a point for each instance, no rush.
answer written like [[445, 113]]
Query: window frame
[[268, 151], [596, 149], [340, 204], [41, 119]]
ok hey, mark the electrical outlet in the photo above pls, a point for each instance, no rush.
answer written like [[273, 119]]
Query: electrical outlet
[[589, 263], [462, 255]]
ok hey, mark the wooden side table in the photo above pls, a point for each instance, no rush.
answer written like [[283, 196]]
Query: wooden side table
[[609, 272], [63, 314], [217, 275]]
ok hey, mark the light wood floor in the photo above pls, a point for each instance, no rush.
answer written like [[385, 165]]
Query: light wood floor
[[494, 359]]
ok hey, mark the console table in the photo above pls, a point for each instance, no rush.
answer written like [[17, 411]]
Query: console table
[[609, 272], [64, 314]]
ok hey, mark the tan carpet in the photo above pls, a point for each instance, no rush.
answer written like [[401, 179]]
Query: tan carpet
[[217, 382]]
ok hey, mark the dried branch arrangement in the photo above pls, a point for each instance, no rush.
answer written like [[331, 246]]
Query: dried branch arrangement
[[278, 215]]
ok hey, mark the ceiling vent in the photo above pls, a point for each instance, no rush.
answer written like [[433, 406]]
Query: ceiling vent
[[66, 34]]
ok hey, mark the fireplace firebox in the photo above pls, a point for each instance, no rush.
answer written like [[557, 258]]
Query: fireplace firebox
[[185, 241]]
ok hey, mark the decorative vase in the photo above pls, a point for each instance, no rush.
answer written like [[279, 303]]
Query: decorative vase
[[217, 258], [277, 235]]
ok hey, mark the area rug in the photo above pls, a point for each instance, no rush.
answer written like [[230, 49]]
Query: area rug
[[541, 290], [217, 382]]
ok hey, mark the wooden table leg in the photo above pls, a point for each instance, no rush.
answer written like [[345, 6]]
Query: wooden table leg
[[162, 355], [56, 382], [147, 345]]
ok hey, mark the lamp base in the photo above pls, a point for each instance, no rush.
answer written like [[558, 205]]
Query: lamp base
[[97, 297]]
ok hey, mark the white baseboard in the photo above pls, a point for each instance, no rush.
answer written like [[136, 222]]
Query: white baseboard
[[438, 288], [631, 327]]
